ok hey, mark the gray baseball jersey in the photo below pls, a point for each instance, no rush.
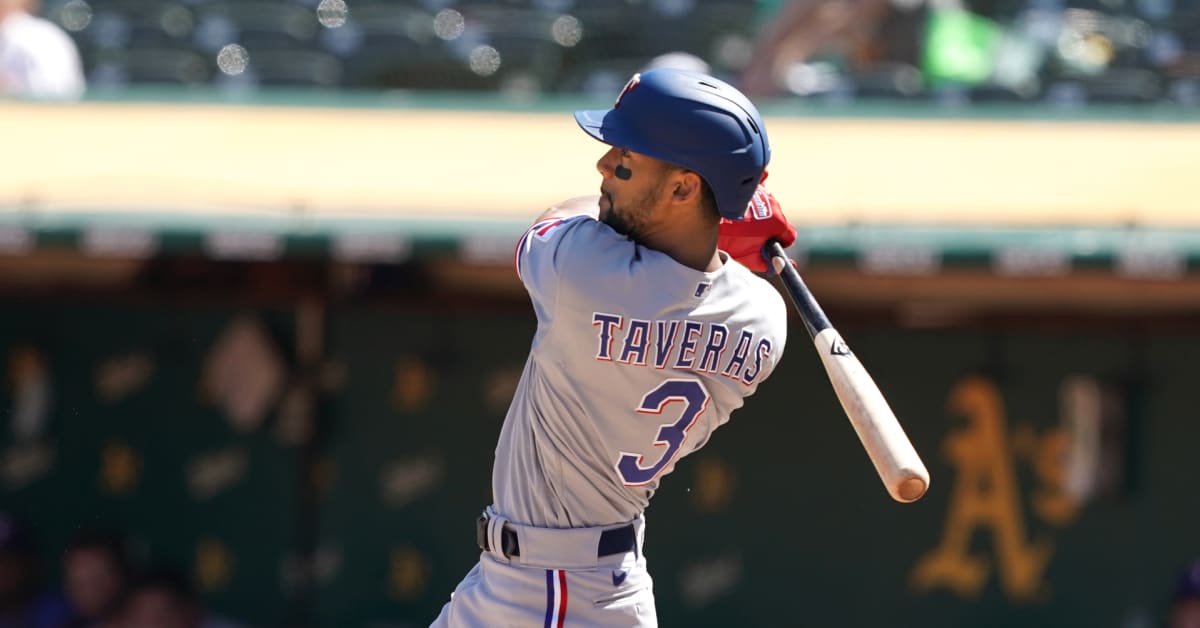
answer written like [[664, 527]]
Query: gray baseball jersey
[[636, 360]]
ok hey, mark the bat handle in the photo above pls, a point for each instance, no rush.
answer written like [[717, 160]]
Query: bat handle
[[811, 313]]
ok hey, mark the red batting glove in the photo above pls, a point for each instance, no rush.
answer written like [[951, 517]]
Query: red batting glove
[[764, 221]]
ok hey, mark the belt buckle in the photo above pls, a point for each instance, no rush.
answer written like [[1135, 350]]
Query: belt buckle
[[481, 526]]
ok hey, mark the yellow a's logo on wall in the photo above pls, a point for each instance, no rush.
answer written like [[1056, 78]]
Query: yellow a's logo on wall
[[986, 499]]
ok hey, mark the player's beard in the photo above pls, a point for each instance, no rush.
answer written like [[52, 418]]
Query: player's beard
[[616, 217], [630, 219]]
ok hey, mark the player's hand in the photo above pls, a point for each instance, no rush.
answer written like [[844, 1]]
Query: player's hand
[[764, 221]]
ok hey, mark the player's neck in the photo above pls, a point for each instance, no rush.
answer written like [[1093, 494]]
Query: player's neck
[[694, 248]]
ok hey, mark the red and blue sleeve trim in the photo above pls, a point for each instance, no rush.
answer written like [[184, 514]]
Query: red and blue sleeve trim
[[540, 228]]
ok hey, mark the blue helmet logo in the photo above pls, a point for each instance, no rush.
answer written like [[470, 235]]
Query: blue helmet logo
[[633, 82]]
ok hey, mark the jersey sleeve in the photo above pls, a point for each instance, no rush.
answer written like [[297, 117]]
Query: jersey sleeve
[[541, 257]]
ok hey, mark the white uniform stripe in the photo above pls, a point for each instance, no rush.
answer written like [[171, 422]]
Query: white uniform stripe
[[554, 617], [521, 252]]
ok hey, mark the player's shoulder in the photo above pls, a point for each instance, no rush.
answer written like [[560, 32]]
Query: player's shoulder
[[572, 214], [748, 278], [28, 23], [759, 294], [32, 30], [567, 242], [576, 206]]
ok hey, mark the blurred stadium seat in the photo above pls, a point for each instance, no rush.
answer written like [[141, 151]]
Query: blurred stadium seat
[[119, 68], [1130, 85], [140, 24], [888, 80], [601, 78], [264, 25], [295, 68], [524, 38], [393, 45], [1077, 51]]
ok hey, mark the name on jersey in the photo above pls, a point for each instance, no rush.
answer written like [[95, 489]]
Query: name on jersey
[[683, 345]]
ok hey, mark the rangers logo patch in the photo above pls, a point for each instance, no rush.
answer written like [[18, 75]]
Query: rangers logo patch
[[633, 82]]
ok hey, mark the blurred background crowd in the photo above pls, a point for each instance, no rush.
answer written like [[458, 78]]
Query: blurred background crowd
[[1066, 52], [104, 584]]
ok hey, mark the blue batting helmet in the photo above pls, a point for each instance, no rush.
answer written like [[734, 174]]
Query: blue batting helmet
[[693, 121]]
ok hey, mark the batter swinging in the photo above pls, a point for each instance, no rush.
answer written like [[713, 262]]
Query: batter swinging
[[649, 335]]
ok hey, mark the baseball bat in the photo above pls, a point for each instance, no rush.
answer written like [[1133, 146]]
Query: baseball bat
[[892, 453]]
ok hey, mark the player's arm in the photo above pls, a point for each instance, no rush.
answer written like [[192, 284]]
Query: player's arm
[[578, 206]]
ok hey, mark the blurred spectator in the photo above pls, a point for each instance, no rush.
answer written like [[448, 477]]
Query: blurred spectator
[[22, 602], [1185, 605], [803, 29], [96, 568], [37, 58], [679, 61], [164, 598]]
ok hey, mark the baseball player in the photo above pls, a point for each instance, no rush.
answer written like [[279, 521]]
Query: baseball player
[[37, 58], [648, 338]]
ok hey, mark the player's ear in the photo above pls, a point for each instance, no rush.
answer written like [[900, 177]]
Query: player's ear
[[687, 187]]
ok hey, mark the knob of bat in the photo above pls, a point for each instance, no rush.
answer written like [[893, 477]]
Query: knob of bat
[[912, 489]]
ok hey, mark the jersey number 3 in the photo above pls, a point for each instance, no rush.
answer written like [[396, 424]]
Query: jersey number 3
[[692, 394]]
